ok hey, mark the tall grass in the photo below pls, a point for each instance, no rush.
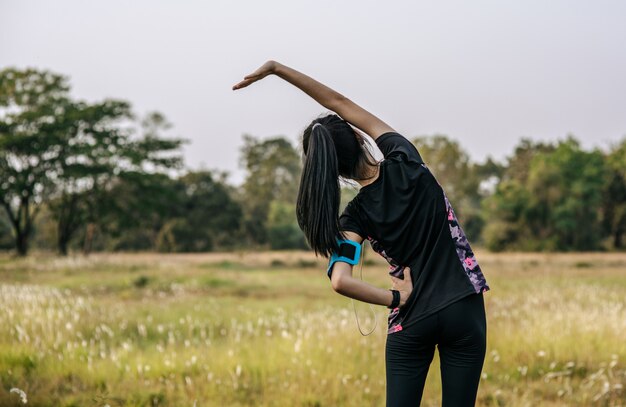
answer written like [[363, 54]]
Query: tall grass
[[231, 330]]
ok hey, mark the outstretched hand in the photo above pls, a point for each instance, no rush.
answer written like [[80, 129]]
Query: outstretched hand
[[266, 69], [404, 286]]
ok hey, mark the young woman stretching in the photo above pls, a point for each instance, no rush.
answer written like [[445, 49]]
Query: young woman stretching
[[436, 298]]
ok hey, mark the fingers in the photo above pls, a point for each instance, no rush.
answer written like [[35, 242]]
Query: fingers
[[266, 69], [242, 84], [397, 282], [247, 80], [406, 273], [402, 282]]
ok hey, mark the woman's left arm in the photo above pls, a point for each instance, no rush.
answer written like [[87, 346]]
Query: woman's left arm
[[345, 284]]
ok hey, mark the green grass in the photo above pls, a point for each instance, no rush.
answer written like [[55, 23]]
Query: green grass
[[266, 329]]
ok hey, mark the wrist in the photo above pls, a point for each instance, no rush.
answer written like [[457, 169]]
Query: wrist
[[396, 299]]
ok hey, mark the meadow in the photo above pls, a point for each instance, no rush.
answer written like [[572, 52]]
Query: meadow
[[266, 329]]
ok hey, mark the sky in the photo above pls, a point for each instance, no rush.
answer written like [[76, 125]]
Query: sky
[[483, 72]]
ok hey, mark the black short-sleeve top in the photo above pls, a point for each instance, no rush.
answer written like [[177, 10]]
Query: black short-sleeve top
[[408, 220]]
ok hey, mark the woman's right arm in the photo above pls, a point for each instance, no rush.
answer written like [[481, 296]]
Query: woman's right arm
[[325, 96]]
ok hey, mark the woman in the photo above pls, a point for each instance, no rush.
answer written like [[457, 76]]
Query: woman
[[436, 298]]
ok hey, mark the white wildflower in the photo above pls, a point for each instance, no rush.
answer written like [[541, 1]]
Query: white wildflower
[[21, 393]]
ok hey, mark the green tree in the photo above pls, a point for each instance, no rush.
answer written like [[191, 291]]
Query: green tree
[[282, 227], [505, 209], [552, 202], [273, 171], [212, 216], [566, 194], [31, 108], [98, 149], [191, 213], [88, 138], [614, 199], [506, 213], [136, 207], [518, 165]]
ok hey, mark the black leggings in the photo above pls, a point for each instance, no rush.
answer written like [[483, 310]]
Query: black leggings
[[460, 331]]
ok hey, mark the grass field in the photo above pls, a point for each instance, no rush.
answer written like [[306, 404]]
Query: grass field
[[266, 329]]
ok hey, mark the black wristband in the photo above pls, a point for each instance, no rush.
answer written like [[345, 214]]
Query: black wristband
[[396, 299]]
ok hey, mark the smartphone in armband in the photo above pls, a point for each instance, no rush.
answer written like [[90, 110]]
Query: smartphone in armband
[[349, 252]]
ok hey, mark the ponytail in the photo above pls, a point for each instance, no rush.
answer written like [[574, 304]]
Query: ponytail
[[317, 208]]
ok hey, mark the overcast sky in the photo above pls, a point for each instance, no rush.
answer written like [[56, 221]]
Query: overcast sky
[[483, 72]]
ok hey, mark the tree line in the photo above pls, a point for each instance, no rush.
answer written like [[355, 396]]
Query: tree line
[[80, 176]]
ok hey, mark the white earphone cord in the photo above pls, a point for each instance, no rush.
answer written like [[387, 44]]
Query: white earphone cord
[[371, 307]]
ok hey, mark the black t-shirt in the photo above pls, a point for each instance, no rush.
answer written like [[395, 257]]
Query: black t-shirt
[[409, 221]]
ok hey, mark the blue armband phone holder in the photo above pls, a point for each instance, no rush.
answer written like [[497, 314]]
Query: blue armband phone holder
[[349, 252]]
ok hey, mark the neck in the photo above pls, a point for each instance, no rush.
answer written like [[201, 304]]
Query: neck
[[372, 175]]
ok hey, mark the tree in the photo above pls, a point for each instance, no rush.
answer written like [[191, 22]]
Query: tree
[[31, 108], [6, 242], [273, 171], [191, 213], [614, 197], [213, 217], [88, 139], [518, 165], [98, 149], [282, 228], [553, 201], [506, 213], [136, 207], [505, 209], [566, 187]]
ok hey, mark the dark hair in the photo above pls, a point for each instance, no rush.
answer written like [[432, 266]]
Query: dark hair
[[331, 150]]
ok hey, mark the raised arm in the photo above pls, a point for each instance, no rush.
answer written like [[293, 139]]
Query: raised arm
[[325, 96]]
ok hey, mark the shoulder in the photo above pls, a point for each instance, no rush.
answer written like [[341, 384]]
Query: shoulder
[[350, 219], [393, 145], [351, 208]]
